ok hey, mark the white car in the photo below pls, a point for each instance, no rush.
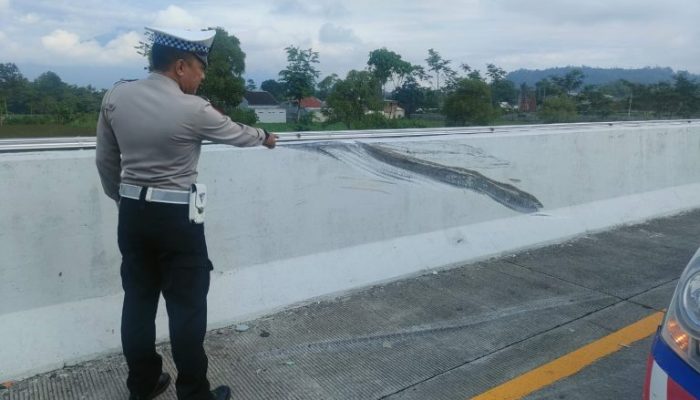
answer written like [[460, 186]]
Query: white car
[[673, 368]]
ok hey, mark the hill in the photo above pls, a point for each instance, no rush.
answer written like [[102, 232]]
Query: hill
[[597, 76]]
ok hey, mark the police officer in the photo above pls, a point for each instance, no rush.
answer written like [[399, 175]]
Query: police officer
[[149, 138]]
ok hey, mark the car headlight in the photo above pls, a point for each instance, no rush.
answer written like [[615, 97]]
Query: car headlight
[[689, 302], [681, 328]]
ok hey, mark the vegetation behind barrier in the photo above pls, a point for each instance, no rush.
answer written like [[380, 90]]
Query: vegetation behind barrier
[[432, 95]]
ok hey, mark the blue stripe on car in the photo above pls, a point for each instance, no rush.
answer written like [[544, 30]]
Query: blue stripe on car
[[676, 368]]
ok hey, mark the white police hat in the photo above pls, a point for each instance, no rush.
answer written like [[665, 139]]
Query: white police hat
[[195, 42]]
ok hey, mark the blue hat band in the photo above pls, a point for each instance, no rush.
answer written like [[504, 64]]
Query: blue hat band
[[183, 45]]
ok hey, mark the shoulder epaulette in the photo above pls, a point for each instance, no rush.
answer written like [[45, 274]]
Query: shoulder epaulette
[[119, 82]]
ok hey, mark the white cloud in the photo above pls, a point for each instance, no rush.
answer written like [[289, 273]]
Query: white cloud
[[511, 33], [122, 47], [9, 48], [68, 48], [30, 18], [64, 42], [287, 7], [330, 33], [335, 10], [176, 17], [310, 9], [591, 12]]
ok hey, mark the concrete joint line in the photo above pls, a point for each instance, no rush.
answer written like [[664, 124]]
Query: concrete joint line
[[566, 281], [573, 362], [500, 350]]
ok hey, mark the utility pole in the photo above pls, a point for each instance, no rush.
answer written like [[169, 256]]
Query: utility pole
[[3, 112], [629, 108]]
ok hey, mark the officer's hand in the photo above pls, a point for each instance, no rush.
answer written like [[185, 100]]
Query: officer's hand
[[271, 141]]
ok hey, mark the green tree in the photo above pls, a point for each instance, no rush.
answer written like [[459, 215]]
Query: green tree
[[592, 101], [144, 49], [666, 100], [50, 84], [546, 88], [410, 96], [688, 91], [48, 95], [13, 89], [452, 79], [275, 88], [300, 75], [558, 109], [418, 73], [437, 64], [433, 99], [326, 85], [495, 73], [502, 90], [352, 99], [88, 99], [475, 74], [250, 85], [386, 65], [641, 97], [618, 89], [470, 103], [570, 82], [245, 116], [224, 84], [54, 98], [631, 96]]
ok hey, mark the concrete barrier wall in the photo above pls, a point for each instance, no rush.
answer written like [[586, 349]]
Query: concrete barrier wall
[[312, 219]]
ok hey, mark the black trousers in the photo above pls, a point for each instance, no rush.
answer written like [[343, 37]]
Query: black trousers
[[163, 252]]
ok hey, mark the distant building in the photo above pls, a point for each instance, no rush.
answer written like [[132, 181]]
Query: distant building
[[527, 103], [313, 106], [309, 106], [392, 109], [265, 106], [506, 106]]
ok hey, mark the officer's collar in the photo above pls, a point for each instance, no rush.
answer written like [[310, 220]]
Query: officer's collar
[[160, 77]]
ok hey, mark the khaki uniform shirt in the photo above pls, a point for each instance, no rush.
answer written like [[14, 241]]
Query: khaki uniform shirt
[[150, 133]]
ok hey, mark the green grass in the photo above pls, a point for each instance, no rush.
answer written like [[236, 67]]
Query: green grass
[[45, 130], [34, 126], [86, 126]]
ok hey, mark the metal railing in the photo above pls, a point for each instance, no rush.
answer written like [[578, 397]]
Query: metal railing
[[77, 143]]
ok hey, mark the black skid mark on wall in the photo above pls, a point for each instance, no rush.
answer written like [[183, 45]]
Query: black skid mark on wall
[[385, 162], [504, 193], [356, 156]]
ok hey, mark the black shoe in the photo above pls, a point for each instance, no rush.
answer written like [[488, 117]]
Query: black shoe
[[163, 382], [221, 393]]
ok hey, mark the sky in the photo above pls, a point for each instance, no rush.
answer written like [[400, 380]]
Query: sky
[[92, 41]]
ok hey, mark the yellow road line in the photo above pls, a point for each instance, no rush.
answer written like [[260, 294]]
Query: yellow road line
[[573, 362]]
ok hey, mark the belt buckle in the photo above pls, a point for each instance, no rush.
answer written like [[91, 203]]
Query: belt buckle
[[149, 193]]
